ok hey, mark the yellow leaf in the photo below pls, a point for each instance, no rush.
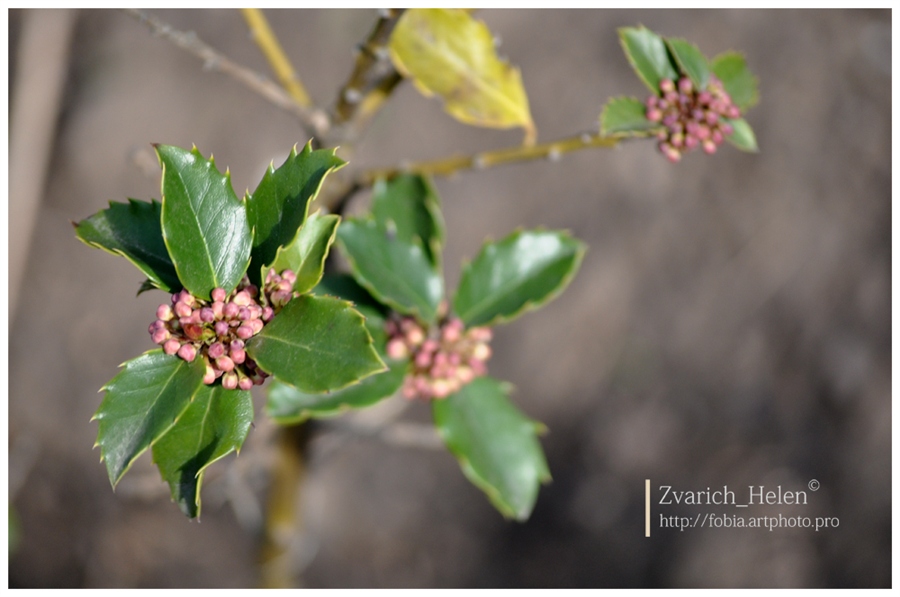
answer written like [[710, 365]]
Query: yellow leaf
[[449, 53]]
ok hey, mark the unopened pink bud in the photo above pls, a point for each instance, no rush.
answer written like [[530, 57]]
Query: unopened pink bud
[[464, 374], [654, 115], [230, 310], [396, 349], [482, 352], [157, 324], [218, 309], [415, 336], [733, 112], [225, 363], [230, 380], [160, 336], [430, 345], [207, 315], [216, 350], [289, 276], [666, 85], [210, 375], [171, 346], [244, 332], [242, 299], [221, 328], [238, 355], [164, 312], [268, 313], [245, 383], [187, 352], [244, 314], [709, 146], [182, 309], [481, 334], [218, 295], [253, 290], [685, 85], [423, 360]]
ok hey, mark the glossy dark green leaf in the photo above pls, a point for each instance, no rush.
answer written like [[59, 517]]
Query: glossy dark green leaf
[[743, 137], [133, 231], [142, 402], [305, 255], [496, 445], [411, 204], [739, 82], [343, 286], [626, 117], [215, 424], [396, 272], [646, 52], [204, 223], [316, 344], [288, 405], [690, 60], [280, 203], [517, 274]]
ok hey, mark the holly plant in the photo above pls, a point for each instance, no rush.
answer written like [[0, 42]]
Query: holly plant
[[248, 293], [239, 272], [437, 350]]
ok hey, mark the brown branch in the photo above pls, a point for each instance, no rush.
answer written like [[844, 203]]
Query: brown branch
[[373, 79], [488, 159], [314, 120]]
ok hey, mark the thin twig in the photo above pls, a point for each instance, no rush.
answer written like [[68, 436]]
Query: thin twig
[[488, 159], [314, 120], [268, 42], [373, 79]]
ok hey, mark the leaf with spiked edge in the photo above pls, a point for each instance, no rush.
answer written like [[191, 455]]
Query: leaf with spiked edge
[[496, 445], [133, 231], [204, 223], [141, 404], [690, 60], [647, 54], [288, 405], [519, 273], [739, 82], [411, 204], [626, 117], [743, 137], [316, 344], [396, 272], [214, 424], [280, 203], [305, 255]]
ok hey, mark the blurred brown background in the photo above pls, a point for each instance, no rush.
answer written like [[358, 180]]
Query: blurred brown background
[[730, 323]]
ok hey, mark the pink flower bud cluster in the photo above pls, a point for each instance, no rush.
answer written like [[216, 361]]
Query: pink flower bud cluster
[[441, 361], [217, 330], [692, 117]]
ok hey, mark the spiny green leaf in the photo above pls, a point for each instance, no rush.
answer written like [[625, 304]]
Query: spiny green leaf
[[288, 405], [450, 53], [204, 223], [742, 137], [343, 286], [517, 274], [397, 273], [496, 445], [316, 344], [690, 60], [305, 255], [410, 203], [647, 54], [626, 117], [142, 402], [278, 206], [739, 82], [215, 424], [134, 232]]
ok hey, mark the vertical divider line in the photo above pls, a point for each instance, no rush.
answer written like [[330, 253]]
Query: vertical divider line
[[647, 508]]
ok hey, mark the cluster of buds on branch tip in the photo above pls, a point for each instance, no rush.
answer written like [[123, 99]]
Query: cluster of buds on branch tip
[[442, 360], [217, 330], [692, 117]]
